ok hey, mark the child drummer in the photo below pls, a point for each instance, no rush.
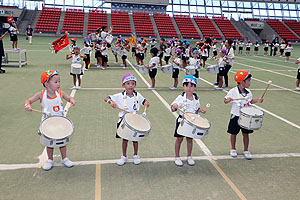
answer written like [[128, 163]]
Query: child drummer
[[51, 101], [189, 102], [131, 101], [243, 79]]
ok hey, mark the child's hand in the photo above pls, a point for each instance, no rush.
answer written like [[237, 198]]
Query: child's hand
[[113, 104], [174, 107], [28, 107], [229, 99], [202, 110], [72, 101], [146, 104], [260, 100]]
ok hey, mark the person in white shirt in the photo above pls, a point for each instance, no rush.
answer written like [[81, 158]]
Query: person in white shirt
[[104, 50], [195, 61], [189, 102], [153, 64], [288, 49], [248, 48], [256, 48], [298, 74], [276, 45], [168, 50], [222, 62], [215, 49], [131, 101], [13, 31], [204, 56], [87, 52], [125, 48], [266, 48], [282, 48], [152, 43], [243, 79], [176, 63], [241, 46]]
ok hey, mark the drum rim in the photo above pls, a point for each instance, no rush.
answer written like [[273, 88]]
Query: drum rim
[[42, 134], [184, 118], [133, 129], [245, 114]]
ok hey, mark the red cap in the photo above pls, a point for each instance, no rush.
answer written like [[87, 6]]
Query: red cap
[[241, 76], [47, 74]]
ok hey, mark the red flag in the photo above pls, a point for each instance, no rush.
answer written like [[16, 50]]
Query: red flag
[[60, 43], [10, 19]]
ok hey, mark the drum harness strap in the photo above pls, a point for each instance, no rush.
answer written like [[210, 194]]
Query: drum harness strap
[[125, 101], [185, 105]]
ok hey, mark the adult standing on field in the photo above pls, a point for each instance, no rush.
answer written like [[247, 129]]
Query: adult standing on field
[[2, 71], [209, 41], [29, 32]]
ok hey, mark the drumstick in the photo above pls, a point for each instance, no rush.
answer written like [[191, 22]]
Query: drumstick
[[145, 108], [193, 118], [123, 110], [207, 106], [269, 83], [46, 113], [245, 98]]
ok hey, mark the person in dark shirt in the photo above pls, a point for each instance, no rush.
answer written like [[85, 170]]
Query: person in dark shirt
[[209, 41], [28, 33], [2, 71]]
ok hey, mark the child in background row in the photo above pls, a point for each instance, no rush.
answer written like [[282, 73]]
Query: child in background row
[[176, 63], [51, 99], [222, 62], [256, 48], [288, 49], [189, 102], [131, 101], [168, 50], [266, 48], [248, 48], [243, 79], [282, 47], [298, 74], [87, 53], [215, 49], [125, 48], [241, 46], [195, 61], [152, 67]]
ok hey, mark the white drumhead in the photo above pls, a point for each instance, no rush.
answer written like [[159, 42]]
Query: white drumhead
[[252, 111], [76, 65], [198, 120], [56, 127], [190, 67], [137, 122]]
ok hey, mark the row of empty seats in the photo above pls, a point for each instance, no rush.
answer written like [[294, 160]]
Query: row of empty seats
[[228, 30], [281, 29], [48, 20], [165, 25], [186, 26], [143, 24], [97, 19], [120, 22], [73, 22], [294, 25], [206, 27]]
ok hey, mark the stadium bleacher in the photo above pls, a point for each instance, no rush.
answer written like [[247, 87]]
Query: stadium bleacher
[[206, 27], [227, 28], [186, 26], [73, 21], [294, 25], [48, 20], [281, 29], [97, 19], [143, 24], [164, 25], [120, 22]]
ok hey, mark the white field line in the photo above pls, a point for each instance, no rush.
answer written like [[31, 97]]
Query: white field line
[[275, 70], [269, 112], [179, 89], [267, 70], [147, 160], [279, 59], [269, 63]]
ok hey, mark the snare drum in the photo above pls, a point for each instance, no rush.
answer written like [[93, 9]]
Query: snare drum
[[93, 37], [196, 127], [76, 68], [167, 69], [190, 70], [214, 69], [251, 118], [55, 131], [143, 70], [109, 38], [134, 127]]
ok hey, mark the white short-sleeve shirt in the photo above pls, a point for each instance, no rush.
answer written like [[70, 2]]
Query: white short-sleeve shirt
[[131, 106], [298, 63], [187, 105], [154, 61], [235, 93], [177, 60]]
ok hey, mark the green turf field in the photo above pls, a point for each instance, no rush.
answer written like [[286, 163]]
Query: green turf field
[[272, 174]]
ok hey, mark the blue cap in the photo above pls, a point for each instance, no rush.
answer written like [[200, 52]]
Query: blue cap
[[195, 51], [190, 79], [188, 44]]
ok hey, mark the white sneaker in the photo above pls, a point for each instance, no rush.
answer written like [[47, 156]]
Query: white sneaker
[[247, 155], [122, 161], [233, 153], [68, 163], [178, 162], [74, 88], [172, 88], [78, 87], [48, 165], [297, 88], [115, 62], [190, 161], [85, 69], [218, 88], [101, 67], [136, 160], [151, 88], [122, 65]]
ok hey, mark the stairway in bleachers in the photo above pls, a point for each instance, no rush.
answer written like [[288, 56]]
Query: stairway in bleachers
[[143, 25], [227, 28], [48, 20], [206, 27], [120, 22], [282, 30], [165, 25], [73, 22], [97, 19], [186, 26]]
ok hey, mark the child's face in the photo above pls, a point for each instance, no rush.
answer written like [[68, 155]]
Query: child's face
[[189, 88], [76, 51], [195, 55], [152, 54], [246, 83], [129, 86], [222, 54], [53, 83]]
